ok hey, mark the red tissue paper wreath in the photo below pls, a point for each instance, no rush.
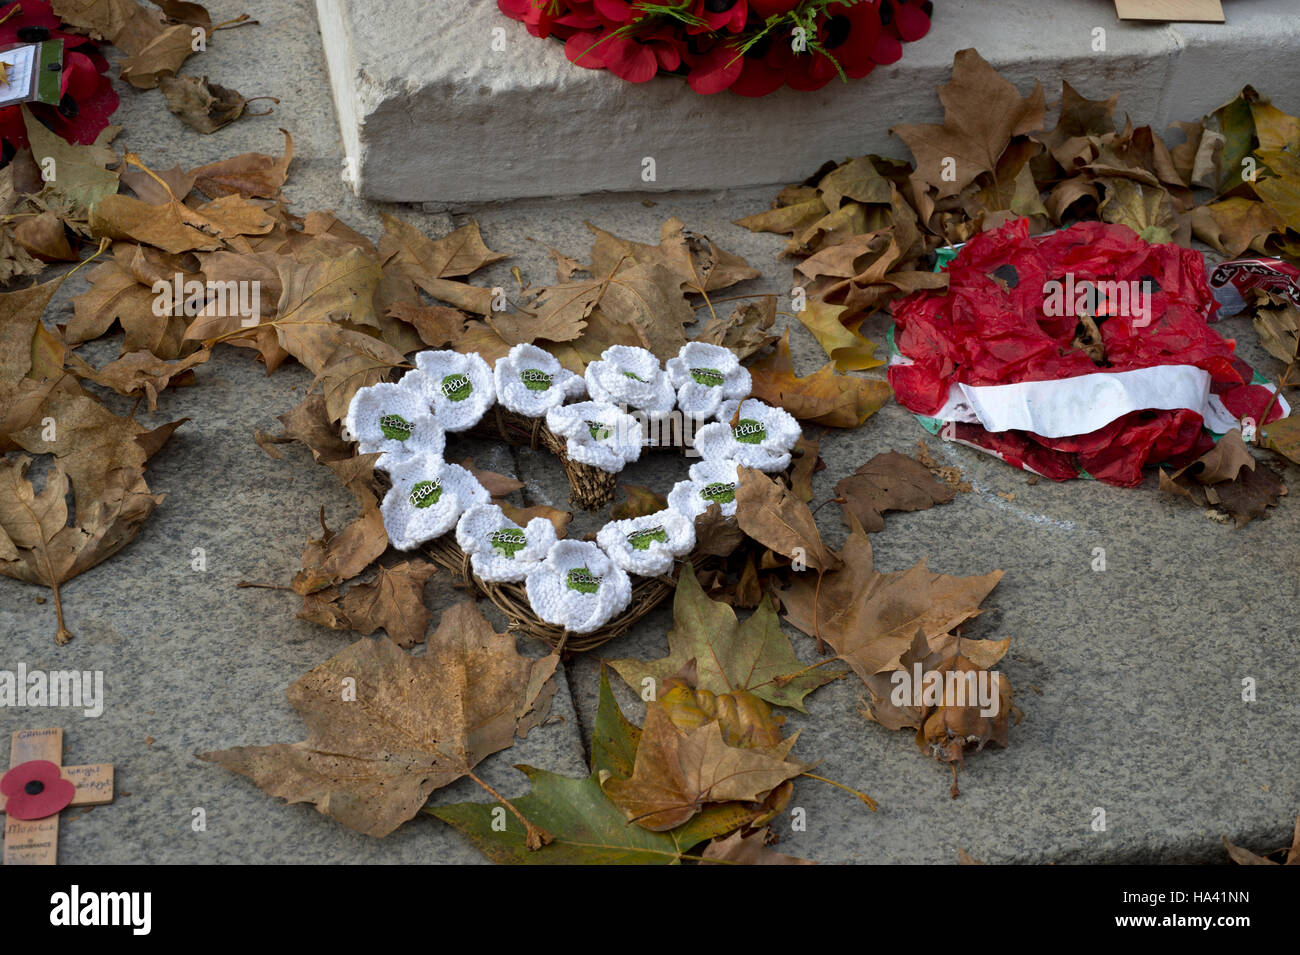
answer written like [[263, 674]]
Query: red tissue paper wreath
[[991, 328], [751, 47], [87, 97]]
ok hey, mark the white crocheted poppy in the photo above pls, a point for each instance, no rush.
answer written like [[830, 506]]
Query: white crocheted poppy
[[427, 498], [648, 545], [530, 381], [502, 551], [762, 436], [458, 386], [630, 376], [705, 376], [394, 419], [597, 433], [578, 587], [711, 482]]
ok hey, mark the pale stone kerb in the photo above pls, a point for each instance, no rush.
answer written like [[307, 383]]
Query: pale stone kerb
[[336, 38]]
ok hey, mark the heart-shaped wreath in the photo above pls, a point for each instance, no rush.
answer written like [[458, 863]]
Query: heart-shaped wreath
[[575, 594], [751, 47]]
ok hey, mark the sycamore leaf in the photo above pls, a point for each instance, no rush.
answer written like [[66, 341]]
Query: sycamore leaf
[[205, 106], [103, 477], [1283, 436], [20, 322], [121, 290], [741, 849], [824, 397], [1146, 209], [522, 515], [140, 373], [745, 330], [1227, 477], [849, 350], [250, 175], [435, 264], [437, 325], [416, 723], [587, 828], [728, 655], [81, 173], [870, 618], [393, 600], [174, 226], [677, 773], [332, 558], [639, 501], [889, 482], [982, 112], [1245, 857], [614, 738], [694, 261], [771, 514]]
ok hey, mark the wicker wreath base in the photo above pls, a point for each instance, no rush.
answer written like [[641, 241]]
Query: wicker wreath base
[[590, 488], [512, 600]]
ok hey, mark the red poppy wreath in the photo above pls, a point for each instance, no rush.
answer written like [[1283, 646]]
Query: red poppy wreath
[[86, 97], [751, 47]]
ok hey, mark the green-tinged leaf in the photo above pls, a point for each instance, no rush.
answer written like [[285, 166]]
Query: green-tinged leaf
[[755, 655]]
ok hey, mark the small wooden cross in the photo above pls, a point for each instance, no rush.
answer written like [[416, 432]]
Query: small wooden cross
[[36, 841]]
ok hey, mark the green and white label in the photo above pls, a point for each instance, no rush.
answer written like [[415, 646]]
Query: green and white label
[[634, 376], [582, 580], [457, 387], [749, 431], [599, 430], [535, 379], [426, 493], [642, 539], [708, 376], [395, 427], [719, 492], [507, 541]]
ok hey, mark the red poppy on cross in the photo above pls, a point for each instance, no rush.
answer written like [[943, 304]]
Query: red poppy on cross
[[37, 788]]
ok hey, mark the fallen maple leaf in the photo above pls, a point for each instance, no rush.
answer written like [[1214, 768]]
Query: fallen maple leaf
[[638, 501], [676, 773], [771, 514], [205, 106], [416, 723], [826, 398], [1246, 857], [728, 655], [1227, 477], [741, 849], [871, 618], [697, 263], [393, 600], [982, 113], [140, 373], [889, 482]]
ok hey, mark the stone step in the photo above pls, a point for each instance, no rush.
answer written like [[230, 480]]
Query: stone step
[[431, 112]]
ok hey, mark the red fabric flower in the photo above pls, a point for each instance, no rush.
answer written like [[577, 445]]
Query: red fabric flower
[[88, 98], [636, 43], [34, 790]]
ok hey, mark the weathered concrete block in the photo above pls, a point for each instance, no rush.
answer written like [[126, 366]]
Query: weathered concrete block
[[431, 112]]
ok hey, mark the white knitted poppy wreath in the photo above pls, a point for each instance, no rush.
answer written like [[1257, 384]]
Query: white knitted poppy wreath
[[575, 594]]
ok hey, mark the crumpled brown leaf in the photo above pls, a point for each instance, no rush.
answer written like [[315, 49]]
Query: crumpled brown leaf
[[889, 482], [824, 397], [677, 772], [393, 600], [1228, 478]]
